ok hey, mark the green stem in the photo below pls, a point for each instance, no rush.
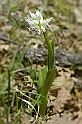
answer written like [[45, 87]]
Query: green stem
[[8, 110], [50, 59]]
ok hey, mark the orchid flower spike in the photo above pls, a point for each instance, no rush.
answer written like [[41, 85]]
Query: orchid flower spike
[[36, 22]]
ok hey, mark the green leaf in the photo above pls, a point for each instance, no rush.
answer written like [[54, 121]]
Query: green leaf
[[48, 81], [44, 92], [42, 76], [12, 63]]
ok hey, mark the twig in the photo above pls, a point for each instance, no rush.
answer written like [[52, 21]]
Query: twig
[[9, 40], [63, 58]]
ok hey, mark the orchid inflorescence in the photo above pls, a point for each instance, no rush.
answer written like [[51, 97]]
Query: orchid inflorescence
[[36, 22]]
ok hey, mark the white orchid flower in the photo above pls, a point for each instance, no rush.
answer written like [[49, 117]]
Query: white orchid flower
[[36, 22]]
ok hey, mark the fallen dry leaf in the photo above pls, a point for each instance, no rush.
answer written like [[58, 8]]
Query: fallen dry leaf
[[78, 15]]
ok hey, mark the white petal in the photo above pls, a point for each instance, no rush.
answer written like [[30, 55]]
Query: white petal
[[38, 15], [48, 20], [31, 14]]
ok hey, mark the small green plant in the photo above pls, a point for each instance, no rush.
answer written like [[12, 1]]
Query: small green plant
[[12, 7], [47, 73], [6, 92]]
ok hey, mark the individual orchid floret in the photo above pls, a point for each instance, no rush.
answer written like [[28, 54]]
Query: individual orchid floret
[[36, 22]]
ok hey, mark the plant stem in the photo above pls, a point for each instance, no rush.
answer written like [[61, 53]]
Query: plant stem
[[8, 109]]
